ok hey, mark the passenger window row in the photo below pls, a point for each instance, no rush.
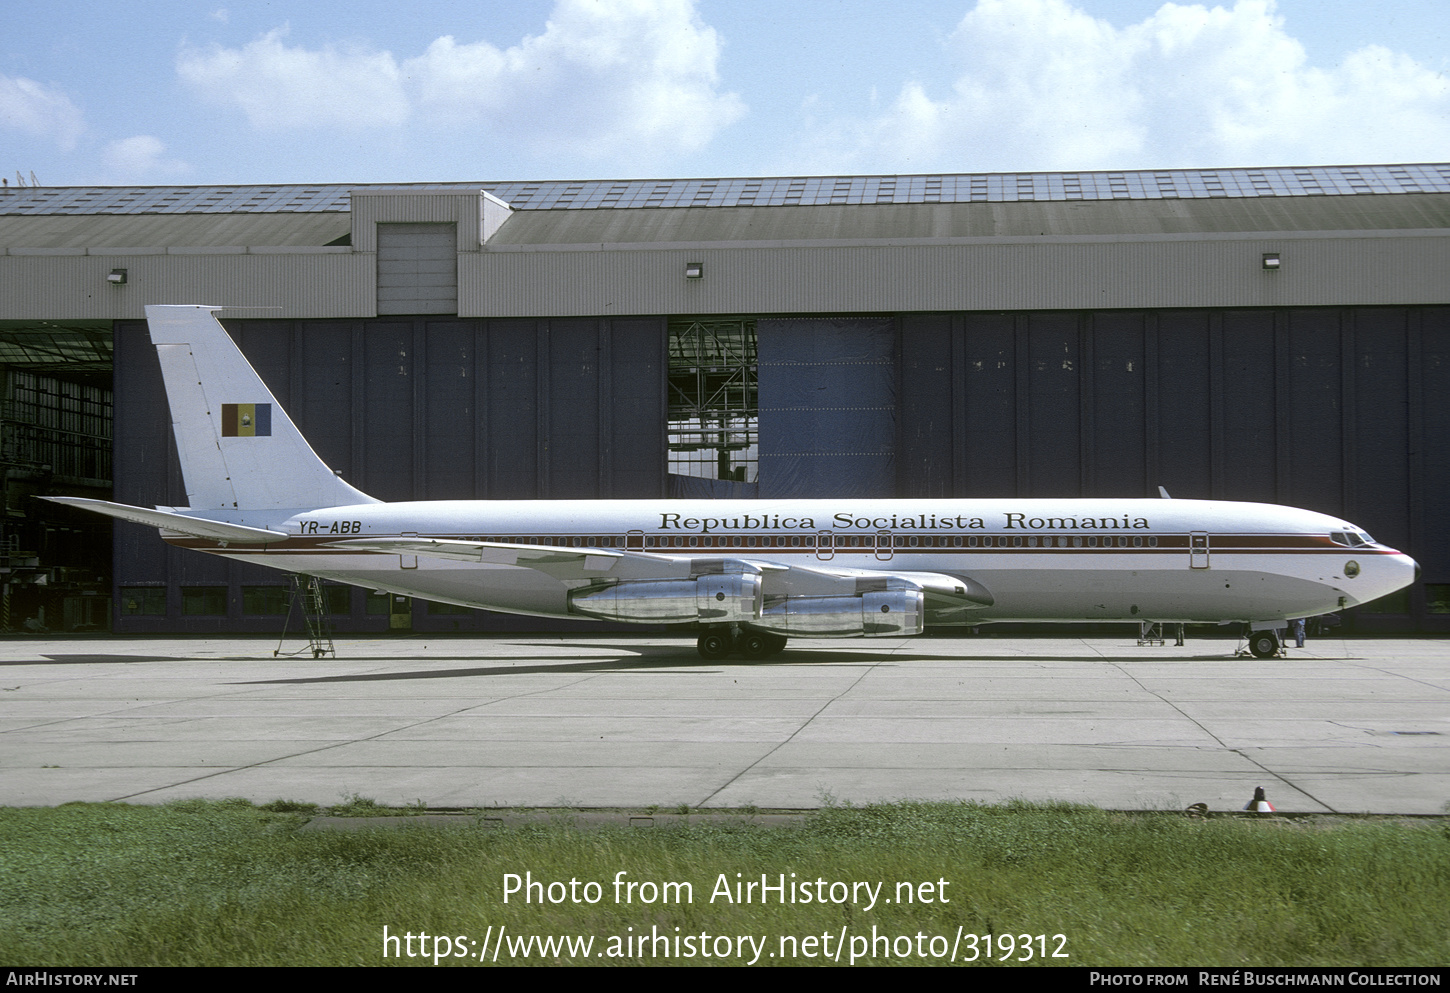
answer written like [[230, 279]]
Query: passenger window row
[[852, 541]]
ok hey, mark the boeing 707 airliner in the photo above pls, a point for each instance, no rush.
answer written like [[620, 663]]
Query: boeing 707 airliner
[[748, 574]]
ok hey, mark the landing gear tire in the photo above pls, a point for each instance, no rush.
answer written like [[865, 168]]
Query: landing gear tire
[[755, 645], [713, 645], [775, 643], [1264, 644]]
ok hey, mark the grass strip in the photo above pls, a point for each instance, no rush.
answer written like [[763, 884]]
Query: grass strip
[[204, 883]]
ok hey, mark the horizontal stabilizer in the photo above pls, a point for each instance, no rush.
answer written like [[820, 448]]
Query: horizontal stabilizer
[[196, 527]]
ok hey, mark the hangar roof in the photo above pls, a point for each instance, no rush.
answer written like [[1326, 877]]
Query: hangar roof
[[761, 211], [70, 230], [803, 191], [533, 230]]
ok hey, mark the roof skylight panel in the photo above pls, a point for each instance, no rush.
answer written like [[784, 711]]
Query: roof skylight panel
[[1376, 176], [1213, 185], [1405, 180], [1357, 183], [1224, 184], [952, 188], [1312, 188], [1435, 177]]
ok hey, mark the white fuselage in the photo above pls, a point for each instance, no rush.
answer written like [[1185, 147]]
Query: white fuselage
[[1040, 560]]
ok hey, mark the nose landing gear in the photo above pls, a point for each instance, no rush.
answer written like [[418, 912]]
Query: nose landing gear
[[1264, 644]]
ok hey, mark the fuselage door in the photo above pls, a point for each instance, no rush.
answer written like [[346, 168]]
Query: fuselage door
[[884, 549], [634, 541], [1198, 550], [825, 546]]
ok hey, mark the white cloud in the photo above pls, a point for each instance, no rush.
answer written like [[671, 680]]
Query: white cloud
[[26, 105], [604, 79], [1043, 85], [281, 87], [139, 159], [623, 79]]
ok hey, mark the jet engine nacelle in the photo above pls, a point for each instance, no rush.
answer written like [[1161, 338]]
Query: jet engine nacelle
[[717, 599], [879, 615]]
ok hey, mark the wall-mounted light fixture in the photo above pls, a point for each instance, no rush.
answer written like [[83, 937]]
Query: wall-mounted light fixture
[[694, 270], [117, 276], [1271, 260]]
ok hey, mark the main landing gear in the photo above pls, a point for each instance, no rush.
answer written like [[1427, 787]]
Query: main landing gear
[[717, 644]]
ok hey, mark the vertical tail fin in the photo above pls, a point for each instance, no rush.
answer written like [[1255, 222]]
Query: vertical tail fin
[[238, 447]]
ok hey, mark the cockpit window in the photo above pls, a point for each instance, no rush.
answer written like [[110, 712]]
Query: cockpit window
[[1366, 538], [1339, 537]]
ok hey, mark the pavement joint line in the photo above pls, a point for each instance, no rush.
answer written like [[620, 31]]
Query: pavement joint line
[[1162, 699], [805, 724], [1285, 780], [100, 713], [999, 716], [1223, 744], [340, 744], [1398, 675]]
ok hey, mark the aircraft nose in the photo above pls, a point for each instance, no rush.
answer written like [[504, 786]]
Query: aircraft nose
[[1416, 564]]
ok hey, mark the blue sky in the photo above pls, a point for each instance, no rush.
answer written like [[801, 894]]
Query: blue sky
[[172, 91]]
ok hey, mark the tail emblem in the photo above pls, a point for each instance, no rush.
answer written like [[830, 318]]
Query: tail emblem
[[246, 420]]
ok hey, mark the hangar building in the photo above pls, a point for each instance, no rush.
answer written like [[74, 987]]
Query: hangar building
[[1276, 334]]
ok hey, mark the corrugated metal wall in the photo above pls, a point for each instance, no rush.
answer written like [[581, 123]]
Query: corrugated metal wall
[[417, 269], [321, 282], [417, 205], [408, 408], [1047, 273], [1062, 273], [1340, 410], [827, 389]]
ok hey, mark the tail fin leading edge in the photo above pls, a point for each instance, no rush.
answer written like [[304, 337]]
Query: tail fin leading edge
[[238, 447]]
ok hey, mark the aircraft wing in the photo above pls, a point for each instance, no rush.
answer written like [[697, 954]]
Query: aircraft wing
[[948, 599], [947, 596], [558, 562], [195, 527]]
